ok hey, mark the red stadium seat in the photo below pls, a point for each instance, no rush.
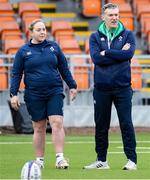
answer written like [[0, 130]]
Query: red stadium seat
[[61, 27], [28, 7], [125, 10], [147, 27], [6, 9], [136, 79], [11, 46], [138, 2], [70, 46], [142, 9], [117, 1], [87, 48], [144, 18], [148, 39], [9, 26], [1, 1], [64, 35], [91, 8], [80, 73], [128, 22], [3, 77]]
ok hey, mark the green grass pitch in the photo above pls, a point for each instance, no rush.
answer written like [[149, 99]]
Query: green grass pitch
[[15, 150]]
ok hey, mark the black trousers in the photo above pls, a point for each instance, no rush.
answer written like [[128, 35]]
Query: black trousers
[[102, 106]]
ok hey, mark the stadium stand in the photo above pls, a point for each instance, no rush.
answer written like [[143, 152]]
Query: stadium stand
[[71, 26]]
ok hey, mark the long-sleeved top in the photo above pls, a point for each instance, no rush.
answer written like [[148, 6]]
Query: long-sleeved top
[[113, 69], [44, 66]]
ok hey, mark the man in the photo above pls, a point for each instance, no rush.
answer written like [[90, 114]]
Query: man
[[111, 49]]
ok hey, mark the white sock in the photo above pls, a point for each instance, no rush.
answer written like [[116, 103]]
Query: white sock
[[40, 160]]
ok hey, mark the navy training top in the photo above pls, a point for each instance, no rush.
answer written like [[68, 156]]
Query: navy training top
[[44, 66], [113, 70]]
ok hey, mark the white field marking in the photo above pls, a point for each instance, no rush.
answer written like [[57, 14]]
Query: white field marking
[[121, 147], [78, 179], [140, 152], [90, 179], [74, 142]]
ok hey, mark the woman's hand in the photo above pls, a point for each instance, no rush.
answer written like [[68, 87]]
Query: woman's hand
[[15, 103], [73, 94]]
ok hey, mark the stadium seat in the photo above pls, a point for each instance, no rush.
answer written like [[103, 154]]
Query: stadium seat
[[11, 35], [148, 38], [142, 9], [2, 1], [136, 77], [28, 7], [3, 77], [70, 46], [146, 27], [63, 27], [91, 8], [27, 15], [65, 35], [9, 26], [7, 18], [117, 1], [11, 46], [80, 73], [125, 10], [87, 48], [144, 18], [136, 3], [5, 30], [128, 22], [6, 9]]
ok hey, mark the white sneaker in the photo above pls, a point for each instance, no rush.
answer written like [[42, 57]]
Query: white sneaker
[[130, 165], [62, 164], [97, 165]]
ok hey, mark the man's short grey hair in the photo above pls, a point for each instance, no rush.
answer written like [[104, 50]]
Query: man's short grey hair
[[109, 6]]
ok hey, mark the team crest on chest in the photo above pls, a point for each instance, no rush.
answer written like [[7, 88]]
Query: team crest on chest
[[120, 38], [28, 53], [51, 48], [102, 39]]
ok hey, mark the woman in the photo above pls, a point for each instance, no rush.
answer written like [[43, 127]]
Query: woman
[[44, 66]]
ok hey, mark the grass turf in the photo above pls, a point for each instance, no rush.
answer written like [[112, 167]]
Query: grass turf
[[15, 150]]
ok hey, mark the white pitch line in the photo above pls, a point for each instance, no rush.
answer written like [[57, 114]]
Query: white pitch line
[[73, 142], [120, 147], [139, 152], [78, 179]]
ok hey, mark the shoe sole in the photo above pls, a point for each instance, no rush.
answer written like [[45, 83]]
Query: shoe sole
[[62, 167], [127, 169], [104, 168]]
